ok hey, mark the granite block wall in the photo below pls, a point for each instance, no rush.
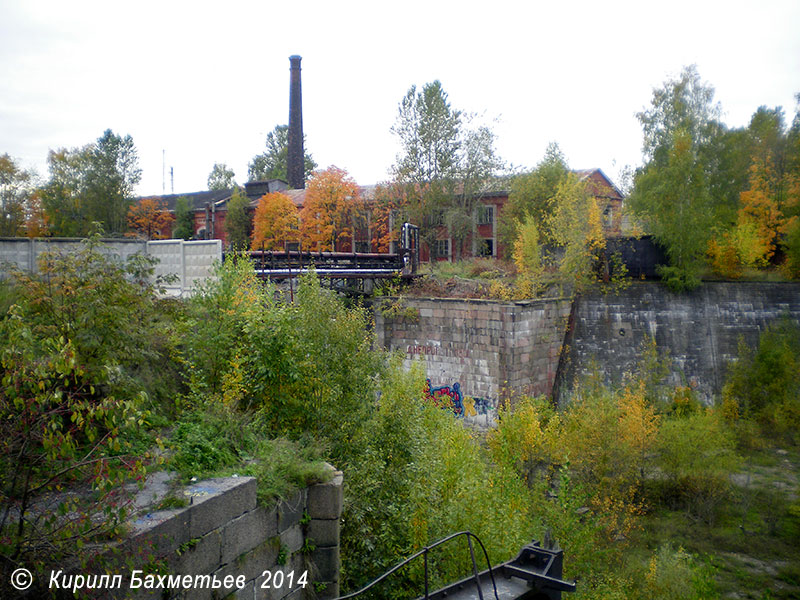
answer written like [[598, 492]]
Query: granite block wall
[[262, 552], [697, 332], [492, 349]]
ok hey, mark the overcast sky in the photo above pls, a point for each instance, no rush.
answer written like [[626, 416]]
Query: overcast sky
[[196, 83]]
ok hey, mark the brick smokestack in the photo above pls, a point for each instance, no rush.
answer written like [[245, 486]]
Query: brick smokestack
[[295, 168]]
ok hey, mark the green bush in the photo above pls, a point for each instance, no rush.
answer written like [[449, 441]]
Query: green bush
[[764, 384], [673, 574], [79, 347], [218, 440], [696, 453], [415, 475], [305, 368]]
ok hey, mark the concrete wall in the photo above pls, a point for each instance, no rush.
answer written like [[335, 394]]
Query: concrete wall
[[490, 348], [23, 253], [698, 331], [224, 533], [189, 261]]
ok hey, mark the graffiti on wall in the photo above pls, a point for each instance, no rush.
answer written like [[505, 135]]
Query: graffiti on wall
[[450, 397]]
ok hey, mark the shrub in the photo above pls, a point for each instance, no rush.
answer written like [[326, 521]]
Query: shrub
[[62, 451], [673, 574], [764, 384], [415, 474], [695, 455]]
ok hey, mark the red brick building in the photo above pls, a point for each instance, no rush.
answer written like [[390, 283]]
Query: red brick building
[[210, 209]]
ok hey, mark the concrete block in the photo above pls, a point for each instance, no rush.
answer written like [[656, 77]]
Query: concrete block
[[199, 556], [248, 531], [326, 563], [324, 532], [282, 581], [248, 592], [292, 538], [291, 510], [325, 499], [158, 533], [217, 501], [252, 564]]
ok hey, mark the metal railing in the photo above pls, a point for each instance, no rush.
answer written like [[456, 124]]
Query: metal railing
[[424, 553]]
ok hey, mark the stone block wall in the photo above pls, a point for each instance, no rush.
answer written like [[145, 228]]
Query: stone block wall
[[490, 348], [697, 332], [225, 534]]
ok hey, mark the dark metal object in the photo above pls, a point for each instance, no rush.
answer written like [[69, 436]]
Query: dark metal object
[[535, 574], [342, 265], [295, 160], [424, 553]]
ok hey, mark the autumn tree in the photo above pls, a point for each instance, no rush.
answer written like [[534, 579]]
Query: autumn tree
[[576, 228], [446, 163], [672, 197], [768, 201], [331, 207], [221, 177], [528, 256], [388, 212], [36, 224], [94, 183], [184, 219], [237, 221], [277, 220], [271, 164], [16, 192], [533, 194], [149, 218]]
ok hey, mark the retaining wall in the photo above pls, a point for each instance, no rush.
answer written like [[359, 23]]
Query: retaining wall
[[697, 332], [492, 349], [224, 533]]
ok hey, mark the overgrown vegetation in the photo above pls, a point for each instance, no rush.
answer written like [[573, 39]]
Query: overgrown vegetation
[[75, 345], [96, 372]]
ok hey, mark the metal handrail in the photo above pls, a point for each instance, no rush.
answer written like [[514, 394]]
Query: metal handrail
[[424, 554]]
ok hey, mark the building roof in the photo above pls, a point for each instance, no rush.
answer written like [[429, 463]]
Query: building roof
[[602, 186], [197, 200]]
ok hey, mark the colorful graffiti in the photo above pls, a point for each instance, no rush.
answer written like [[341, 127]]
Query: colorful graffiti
[[450, 397]]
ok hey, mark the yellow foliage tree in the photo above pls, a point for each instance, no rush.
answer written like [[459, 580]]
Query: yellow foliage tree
[[528, 257], [761, 219], [277, 220], [577, 227]]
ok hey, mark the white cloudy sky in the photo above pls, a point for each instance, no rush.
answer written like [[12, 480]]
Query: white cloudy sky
[[204, 82]]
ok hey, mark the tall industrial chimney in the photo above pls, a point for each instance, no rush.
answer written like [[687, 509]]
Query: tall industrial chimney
[[295, 168]]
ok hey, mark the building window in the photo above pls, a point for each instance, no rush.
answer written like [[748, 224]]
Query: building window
[[292, 246], [485, 214], [486, 247], [436, 218], [442, 248], [608, 217]]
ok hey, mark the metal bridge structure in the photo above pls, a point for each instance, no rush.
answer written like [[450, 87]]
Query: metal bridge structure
[[535, 574], [346, 270]]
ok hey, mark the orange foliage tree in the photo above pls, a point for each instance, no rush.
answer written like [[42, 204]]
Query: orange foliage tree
[[390, 208], [276, 221], [148, 219], [759, 206], [36, 224], [332, 205]]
